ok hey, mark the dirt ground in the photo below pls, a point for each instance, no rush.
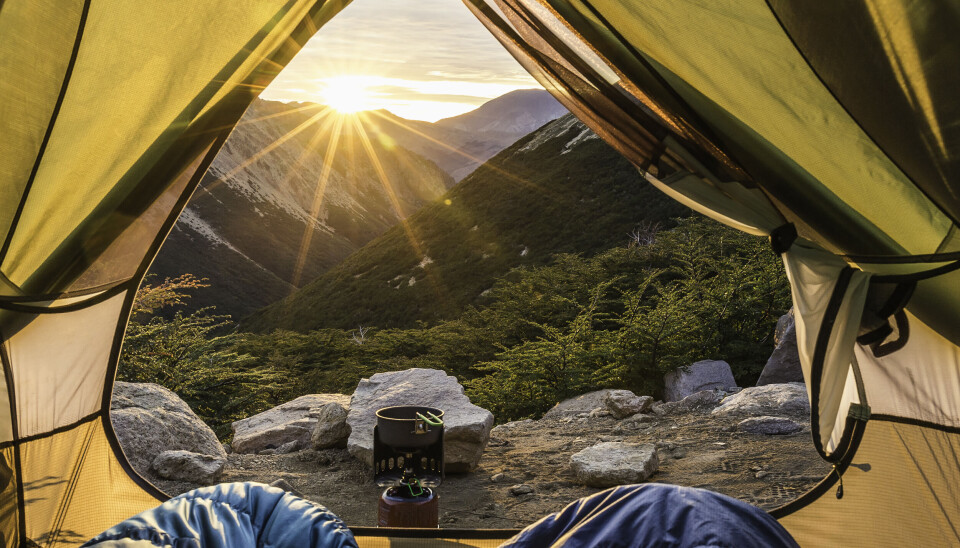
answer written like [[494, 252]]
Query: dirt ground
[[696, 449]]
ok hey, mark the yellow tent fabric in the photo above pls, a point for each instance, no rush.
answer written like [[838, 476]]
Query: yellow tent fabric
[[111, 113]]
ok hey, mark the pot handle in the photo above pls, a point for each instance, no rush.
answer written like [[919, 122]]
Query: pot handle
[[420, 427]]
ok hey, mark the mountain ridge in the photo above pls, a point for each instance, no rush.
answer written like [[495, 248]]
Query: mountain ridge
[[246, 227], [462, 143], [557, 190]]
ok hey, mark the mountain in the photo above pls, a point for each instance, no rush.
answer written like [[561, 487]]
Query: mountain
[[518, 113], [257, 206], [460, 144], [560, 189]]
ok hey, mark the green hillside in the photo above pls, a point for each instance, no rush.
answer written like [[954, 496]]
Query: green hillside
[[558, 190]]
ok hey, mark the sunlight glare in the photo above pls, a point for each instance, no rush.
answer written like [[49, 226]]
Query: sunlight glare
[[346, 94]]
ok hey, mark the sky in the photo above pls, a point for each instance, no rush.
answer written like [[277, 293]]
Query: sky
[[419, 59]]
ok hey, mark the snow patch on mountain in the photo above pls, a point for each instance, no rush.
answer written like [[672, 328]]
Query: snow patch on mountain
[[550, 133], [584, 135], [192, 220]]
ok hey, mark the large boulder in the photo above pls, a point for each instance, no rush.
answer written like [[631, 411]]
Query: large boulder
[[293, 421], [772, 399], [332, 429], [584, 403], [466, 427], [783, 365], [624, 403], [189, 466], [699, 376], [615, 463], [148, 417]]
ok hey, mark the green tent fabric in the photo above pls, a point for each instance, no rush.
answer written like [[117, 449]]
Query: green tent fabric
[[110, 113], [829, 126]]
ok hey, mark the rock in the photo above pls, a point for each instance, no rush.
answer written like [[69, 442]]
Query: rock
[[189, 466], [332, 429], [466, 426], [783, 365], [701, 401], [615, 463], [288, 447], [598, 413], [503, 478], [511, 427], [624, 403], [294, 420], [771, 399], [285, 485], [147, 416], [227, 449], [702, 375], [761, 474], [269, 451], [636, 422], [584, 403], [521, 489], [769, 426]]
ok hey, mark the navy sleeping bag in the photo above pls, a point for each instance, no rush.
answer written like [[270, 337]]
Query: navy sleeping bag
[[655, 516], [231, 515]]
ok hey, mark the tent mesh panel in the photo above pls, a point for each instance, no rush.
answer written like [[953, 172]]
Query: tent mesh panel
[[75, 487], [902, 486], [9, 507]]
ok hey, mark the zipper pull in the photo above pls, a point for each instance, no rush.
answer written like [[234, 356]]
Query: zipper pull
[[839, 489]]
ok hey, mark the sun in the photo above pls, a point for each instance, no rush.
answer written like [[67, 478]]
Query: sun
[[346, 94]]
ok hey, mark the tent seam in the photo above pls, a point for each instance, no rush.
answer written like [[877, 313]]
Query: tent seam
[[73, 307], [831, 479], [60, 295], [916, 422], [68, 73], [58, 430], [823, 82], [819, 356], [106, 397]]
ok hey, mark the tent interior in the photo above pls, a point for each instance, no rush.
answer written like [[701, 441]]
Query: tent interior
[[832, 128]]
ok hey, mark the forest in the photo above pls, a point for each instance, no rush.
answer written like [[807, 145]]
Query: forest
[[618, 319]]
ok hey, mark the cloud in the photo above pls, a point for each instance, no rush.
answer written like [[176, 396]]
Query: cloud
[[425, 50]]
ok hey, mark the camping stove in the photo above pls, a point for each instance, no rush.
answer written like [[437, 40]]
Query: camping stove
[[408, 461]]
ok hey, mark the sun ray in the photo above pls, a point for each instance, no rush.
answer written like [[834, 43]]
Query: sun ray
[[494, 168], [318, 196], [284, 112], [384, 180], [392, 195], [265, 150]]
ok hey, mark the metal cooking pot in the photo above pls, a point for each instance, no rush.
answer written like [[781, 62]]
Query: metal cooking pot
[[410, 427]]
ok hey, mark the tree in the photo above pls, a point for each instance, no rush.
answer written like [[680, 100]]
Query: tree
[[186, 355], [529, 378]]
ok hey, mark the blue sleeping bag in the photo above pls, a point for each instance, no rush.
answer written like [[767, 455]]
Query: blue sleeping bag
[[231, 515], [655, 516], [248, 515]]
